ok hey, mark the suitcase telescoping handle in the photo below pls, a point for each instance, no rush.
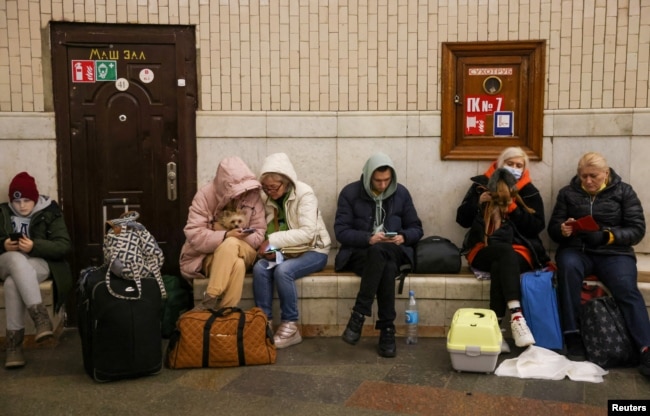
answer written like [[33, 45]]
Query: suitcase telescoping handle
[[112, 201], [115, 201]]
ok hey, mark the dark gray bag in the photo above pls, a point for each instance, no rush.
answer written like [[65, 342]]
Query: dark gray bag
[[605, 335], [436, 255]]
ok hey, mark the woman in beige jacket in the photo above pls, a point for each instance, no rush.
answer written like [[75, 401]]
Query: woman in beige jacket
[[293, 221]]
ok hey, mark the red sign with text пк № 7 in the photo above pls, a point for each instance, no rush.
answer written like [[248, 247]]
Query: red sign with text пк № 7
[[476, 109]]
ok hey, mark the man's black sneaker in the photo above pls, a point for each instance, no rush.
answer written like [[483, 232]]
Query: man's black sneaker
[[387, 347], [352, 331]]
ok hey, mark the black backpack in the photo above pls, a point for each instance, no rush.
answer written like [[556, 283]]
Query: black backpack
[[436, 255]]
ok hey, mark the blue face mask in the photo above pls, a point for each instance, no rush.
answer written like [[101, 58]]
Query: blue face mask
[[515, 172]]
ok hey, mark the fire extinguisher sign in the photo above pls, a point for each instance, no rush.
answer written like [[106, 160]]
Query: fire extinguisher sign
[[83, 70]]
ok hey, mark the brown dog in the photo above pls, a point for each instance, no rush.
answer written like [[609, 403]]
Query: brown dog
[[503, 190], [498, 207], [229, 220]]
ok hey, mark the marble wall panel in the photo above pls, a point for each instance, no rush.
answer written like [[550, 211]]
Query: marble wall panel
[[329, 149], [37, 157]]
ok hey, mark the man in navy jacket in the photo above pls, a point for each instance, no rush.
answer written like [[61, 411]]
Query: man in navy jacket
[[377, 226]]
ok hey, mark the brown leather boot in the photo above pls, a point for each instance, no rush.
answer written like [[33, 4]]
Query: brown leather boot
[[14, 343], [41, 319]]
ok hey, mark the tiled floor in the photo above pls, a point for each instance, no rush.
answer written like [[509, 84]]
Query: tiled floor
[[321, 376]]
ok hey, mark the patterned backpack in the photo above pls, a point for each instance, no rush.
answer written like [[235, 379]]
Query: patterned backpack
[[131, 252], [606, 338]]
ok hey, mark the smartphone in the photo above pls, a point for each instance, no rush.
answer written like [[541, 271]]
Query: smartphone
[[248, 230], [15, 236], [270, 251], [390, 234]]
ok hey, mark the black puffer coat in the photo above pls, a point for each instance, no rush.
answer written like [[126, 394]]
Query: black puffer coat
[[355, 215], [526, 226], [616, 209]]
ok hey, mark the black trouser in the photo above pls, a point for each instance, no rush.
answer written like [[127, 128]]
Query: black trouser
[[505, 265], [378, 267]]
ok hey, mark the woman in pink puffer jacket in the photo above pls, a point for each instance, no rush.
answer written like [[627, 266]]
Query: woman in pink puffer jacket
[[223, 256]]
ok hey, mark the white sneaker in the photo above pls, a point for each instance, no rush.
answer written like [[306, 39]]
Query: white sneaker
[[287, 335], [521, 333]]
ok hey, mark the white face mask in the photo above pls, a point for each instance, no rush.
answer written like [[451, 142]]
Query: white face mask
[[515, 172]]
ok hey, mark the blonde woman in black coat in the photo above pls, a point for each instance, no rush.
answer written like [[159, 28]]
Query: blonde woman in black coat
[[597, 190]]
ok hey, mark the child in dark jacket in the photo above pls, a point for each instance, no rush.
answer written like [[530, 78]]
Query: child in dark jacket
[[35, 242]]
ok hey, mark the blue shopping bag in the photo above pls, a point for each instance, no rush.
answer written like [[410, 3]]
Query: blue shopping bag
[[539, 304]]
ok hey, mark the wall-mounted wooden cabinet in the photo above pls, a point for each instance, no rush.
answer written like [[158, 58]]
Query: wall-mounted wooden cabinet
[[492, 98]]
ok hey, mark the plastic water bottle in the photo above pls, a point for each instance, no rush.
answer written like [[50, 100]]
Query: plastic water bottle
[[412, 320]]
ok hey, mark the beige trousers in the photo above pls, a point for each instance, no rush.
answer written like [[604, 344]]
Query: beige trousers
[[226, 269]]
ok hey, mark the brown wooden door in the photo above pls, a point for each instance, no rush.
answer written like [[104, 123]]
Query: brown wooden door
[[125, 99]]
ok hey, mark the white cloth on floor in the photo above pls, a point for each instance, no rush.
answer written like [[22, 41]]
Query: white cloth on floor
[[538, 362]]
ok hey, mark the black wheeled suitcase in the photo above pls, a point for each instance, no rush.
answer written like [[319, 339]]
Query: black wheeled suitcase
[[120, 338]]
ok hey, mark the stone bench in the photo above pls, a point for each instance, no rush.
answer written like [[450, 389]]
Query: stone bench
[[47, 292], [326, 298]]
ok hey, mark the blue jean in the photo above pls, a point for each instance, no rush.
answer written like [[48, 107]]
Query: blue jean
[[284, 276], [618, 273]]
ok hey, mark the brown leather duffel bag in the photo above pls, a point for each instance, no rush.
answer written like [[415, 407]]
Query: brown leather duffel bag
[[228, 337]]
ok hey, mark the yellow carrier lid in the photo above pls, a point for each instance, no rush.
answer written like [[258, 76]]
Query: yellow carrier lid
[[474, 331]]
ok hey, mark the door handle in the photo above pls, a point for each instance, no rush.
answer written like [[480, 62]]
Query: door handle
[[172, 193]]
